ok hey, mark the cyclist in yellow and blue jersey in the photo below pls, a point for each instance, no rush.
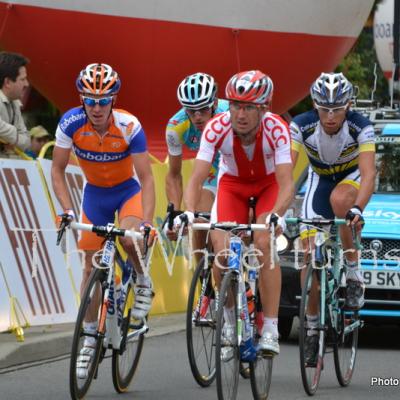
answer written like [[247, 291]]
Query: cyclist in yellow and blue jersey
[[197, 95], [340, 145]]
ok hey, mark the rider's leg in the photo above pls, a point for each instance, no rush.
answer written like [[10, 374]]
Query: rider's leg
[[342, 199], [269, 283], [130, 217]]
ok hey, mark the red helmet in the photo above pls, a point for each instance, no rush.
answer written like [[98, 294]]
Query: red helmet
[[250, 86]]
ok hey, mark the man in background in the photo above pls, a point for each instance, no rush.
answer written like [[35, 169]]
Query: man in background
[[13, 83]]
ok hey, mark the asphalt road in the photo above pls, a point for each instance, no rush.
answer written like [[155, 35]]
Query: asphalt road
[[164, 373]]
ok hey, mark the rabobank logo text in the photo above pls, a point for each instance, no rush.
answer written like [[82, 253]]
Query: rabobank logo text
[[99, 157], [72, 118]]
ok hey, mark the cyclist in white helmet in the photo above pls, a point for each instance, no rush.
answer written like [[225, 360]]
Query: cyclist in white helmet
[[341, 149], [197, 95]]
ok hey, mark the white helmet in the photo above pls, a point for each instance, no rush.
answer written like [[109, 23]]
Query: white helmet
[[197, 91], [331, 89]]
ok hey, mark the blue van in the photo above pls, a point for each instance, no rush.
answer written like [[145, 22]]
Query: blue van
[[380, 257]]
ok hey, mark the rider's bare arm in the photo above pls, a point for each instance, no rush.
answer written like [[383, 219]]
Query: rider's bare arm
[[173, 181], [193, 190], [284, 177], [141, 162], [366, 165], [59, 164]]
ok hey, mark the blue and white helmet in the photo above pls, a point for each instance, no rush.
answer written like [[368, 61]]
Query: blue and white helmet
[[197, 91], [331, 89]]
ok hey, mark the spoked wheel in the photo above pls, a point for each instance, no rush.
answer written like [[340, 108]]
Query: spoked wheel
[[310, 371], [346, 344], [227, 349], [200, 325], [126, 359], [85, 359], [260, 376]]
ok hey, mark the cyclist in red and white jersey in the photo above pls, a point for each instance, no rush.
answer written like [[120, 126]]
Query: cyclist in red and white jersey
[[255, 162], [110, 145]]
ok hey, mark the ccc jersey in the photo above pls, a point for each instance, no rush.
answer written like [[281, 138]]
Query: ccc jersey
[[332, 157], [272, 147], [105, 160]]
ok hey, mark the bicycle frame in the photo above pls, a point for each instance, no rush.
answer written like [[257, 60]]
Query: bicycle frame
[[235, 264], [323, 262], [111, 310]]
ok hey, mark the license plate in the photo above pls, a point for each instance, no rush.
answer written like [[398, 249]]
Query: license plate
[[382, 279]]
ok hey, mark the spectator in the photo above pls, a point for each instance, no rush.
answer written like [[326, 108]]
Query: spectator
[[39, 137], [13, 83]]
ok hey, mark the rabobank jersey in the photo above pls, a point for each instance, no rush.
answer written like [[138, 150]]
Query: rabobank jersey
[[332, 156], [106, 160]]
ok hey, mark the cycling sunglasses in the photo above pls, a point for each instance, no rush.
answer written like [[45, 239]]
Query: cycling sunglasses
[[102, 101], [330, 110]]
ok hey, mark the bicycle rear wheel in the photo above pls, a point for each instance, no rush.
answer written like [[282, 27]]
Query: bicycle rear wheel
[[310, 373], [227, 354], [346, 343], [125, 360], [89, 311], [200, 324]]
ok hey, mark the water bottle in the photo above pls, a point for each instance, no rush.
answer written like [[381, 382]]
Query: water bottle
[[236, 253]]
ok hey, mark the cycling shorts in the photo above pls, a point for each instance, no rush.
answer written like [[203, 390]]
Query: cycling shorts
[[99, 205], [316, 201], [233, 194]]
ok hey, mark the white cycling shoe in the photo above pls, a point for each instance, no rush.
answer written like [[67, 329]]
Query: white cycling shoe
[[269, 343], [83, 362], [143, 299]]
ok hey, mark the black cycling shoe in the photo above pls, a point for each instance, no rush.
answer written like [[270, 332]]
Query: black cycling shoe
[[311, 345], [354, 294]]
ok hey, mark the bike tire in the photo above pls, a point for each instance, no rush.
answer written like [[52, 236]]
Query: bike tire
[[200, 325], [346, 342], [261, 367], [126, 359], [227, 355], [310, 375], [79, 387]]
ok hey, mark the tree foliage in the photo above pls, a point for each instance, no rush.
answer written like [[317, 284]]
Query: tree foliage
[[358, 67]]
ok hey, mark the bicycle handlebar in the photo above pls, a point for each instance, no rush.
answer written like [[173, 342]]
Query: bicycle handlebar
[[107, 230], [316, 221], [228, 226]]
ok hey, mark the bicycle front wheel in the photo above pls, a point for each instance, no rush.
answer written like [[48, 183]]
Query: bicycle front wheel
[[227, 353], [261, 367], [200, 325], [310, 371], [125, 359], [346, 343], [260, 376], [84, 360]]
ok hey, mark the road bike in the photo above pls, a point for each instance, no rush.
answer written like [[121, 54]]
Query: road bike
[[239, 289], [108, 300], [337, 326]]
